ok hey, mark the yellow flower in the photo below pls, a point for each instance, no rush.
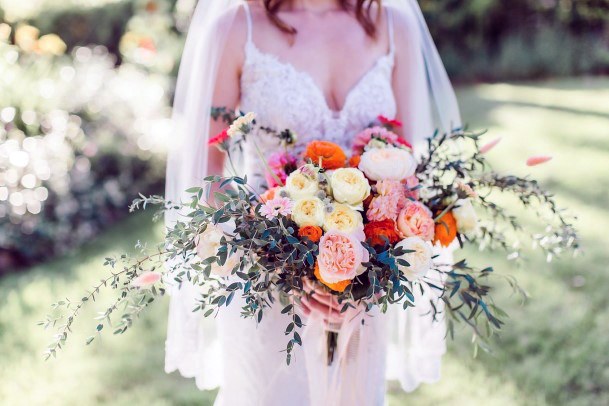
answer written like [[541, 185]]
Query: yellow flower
[[350, 186], [343, 218], [308, 212], [298, 185]]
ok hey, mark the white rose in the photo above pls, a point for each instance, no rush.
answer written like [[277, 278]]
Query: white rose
[[207, 245], [309, 211], [299, 185], [465, 215], [344, 219], [420, 261], [350, 186], [387, 164]]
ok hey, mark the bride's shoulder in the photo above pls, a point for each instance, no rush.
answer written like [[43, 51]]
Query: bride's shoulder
[[404, 23], [232, 25]]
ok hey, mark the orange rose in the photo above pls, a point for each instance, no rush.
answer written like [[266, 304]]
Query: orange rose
[[337, 287], [376, 230], [325, 153], [446, 229], [354, 161], [313, 233]]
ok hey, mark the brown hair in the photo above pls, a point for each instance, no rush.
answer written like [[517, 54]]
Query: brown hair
[[362, 13]]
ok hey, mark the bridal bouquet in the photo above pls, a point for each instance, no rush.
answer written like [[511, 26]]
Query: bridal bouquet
[[364, 225]]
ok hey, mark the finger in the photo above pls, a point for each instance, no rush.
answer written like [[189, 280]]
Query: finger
[[322, 308], [328, 299], [306, 311]]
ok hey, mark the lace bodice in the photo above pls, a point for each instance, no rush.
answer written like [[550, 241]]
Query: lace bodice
[[285, 97]]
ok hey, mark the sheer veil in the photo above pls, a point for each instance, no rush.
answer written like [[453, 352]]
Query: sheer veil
[[192, 345]]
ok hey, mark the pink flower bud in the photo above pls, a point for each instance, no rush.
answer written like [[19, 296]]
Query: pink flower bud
[[146, 279], [538, 160], [487, 147]]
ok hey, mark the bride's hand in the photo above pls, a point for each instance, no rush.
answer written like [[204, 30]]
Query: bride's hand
[[321, 302]]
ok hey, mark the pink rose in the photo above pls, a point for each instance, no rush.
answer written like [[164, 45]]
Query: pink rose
[[280, 163], [362, 139], [146, 279], [340, 256], [415, 220]]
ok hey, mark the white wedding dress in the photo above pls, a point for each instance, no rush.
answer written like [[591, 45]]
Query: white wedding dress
[[246, 359]]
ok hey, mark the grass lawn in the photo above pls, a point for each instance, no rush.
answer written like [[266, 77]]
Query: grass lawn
[[555, 348]]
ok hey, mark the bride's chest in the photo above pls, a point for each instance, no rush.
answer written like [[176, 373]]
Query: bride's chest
[[285, 97]]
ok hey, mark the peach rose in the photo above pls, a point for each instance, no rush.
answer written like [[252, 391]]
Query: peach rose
[[340, 257], [415, 220], [387, 164]]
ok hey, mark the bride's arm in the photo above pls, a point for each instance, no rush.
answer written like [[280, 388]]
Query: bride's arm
[[227, 83], [409, 79]]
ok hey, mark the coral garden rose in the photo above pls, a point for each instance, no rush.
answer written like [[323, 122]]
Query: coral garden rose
[[326, 154], [340, 257], [343, 218], [350, 186], [313, 233], [337, 287], [446, 230], [420, 261], [378, 232], [299, 184], [309, 211], [465, 215], [415, 220], [387, 164]]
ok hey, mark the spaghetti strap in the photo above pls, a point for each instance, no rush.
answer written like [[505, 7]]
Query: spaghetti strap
[[248, 17], [390, 31]]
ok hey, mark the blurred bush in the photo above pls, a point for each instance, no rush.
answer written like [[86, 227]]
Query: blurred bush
[[495, 40], [79, 139]]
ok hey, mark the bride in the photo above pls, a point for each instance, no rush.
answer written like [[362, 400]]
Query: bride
[[325, 69]]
